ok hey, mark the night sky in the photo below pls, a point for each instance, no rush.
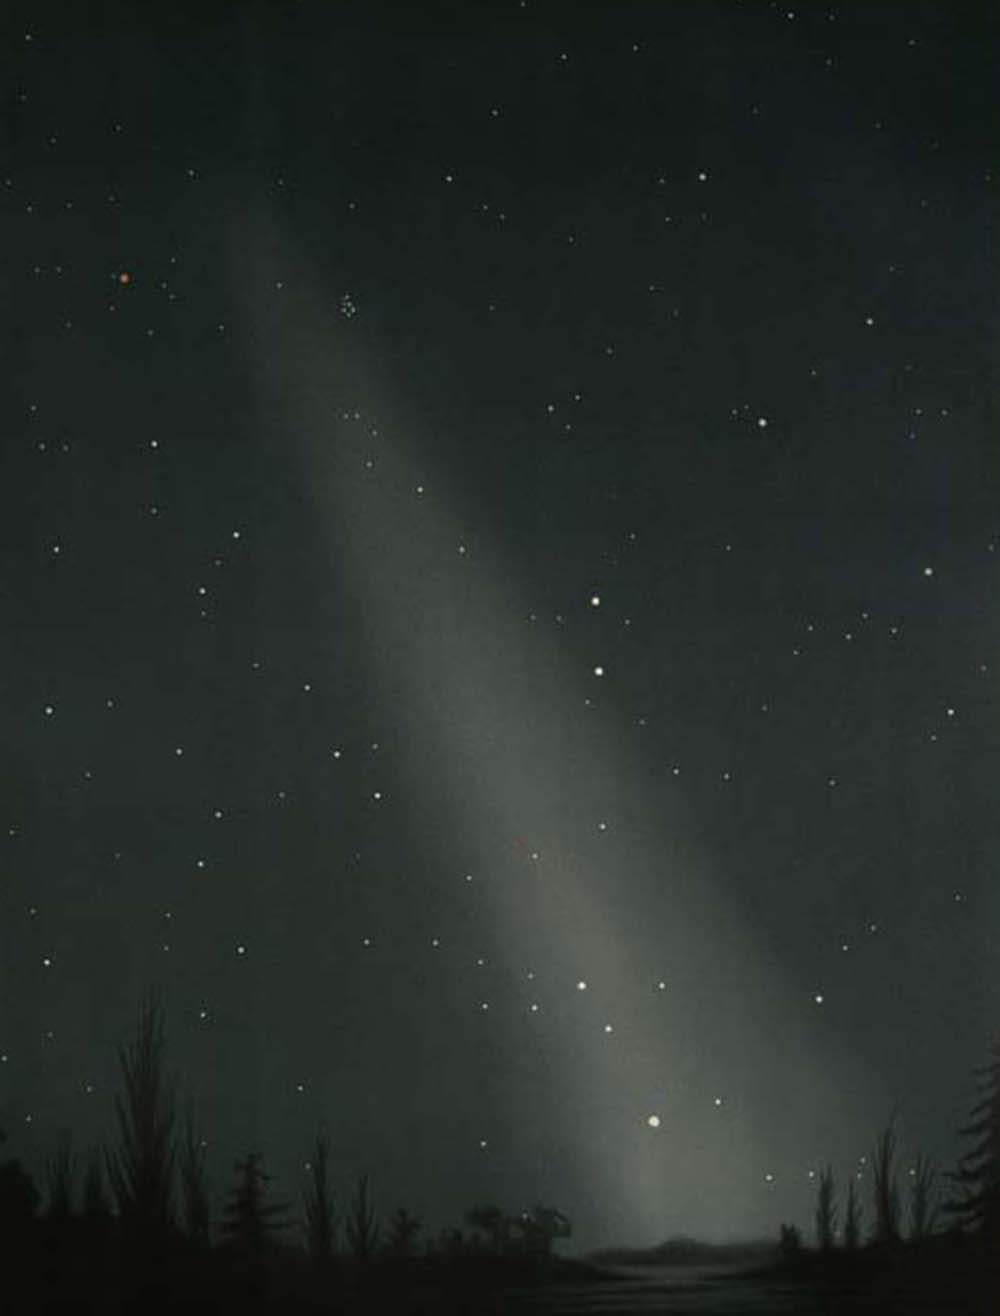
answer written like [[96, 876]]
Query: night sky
[[498, 508]]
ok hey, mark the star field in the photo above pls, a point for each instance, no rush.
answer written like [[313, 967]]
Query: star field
[[500, 521]]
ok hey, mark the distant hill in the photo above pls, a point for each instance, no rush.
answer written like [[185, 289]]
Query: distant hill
[[683, 1251]]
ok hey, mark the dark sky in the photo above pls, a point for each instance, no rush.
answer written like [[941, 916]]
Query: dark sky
[[498, 512]]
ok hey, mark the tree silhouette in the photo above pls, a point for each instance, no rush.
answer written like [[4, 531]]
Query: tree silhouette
[[249, 1220], [977, 1176], [403, 1230], [885, 1195], [96, 1224], [141, 1170], [194, 1187], [96, 1204], [790, 1243], [540, 1226], [923, 1208], [319, 1203], [19, 1196], [60, 1179], [826, 1211], [362, 1222], [248, 1225], [852, 1219], [493, 1222], [19, 1199]]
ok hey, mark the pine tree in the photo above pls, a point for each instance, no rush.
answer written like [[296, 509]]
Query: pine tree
[[249, 1221], [977, 1208]]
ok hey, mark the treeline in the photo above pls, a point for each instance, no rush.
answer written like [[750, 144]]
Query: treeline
[[922, 1206], [132, 1227], [840, 1221]]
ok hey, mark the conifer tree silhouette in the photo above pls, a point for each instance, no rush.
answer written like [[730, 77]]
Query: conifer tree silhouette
[[977, 1177], [249, 1220], [249, 1223]]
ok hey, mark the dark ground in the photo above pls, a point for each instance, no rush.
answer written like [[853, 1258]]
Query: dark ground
[[944, 1277]]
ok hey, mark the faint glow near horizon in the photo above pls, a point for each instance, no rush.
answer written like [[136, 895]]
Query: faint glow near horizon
[[521, 757]]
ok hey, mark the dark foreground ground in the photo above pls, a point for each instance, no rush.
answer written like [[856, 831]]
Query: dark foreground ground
[[720, 1291], [941, 1278]]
